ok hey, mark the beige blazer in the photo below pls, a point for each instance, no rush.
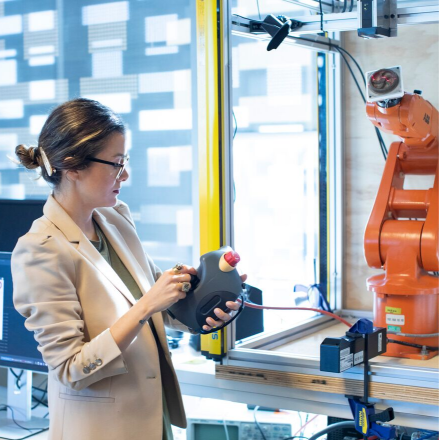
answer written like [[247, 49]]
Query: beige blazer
[[71, 296]]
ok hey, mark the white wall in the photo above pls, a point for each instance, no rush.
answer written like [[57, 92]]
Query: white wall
[[416, 49]]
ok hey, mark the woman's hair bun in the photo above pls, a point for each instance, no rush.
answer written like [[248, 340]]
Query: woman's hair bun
[[28, 156]]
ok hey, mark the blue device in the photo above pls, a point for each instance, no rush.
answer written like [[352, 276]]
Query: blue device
[[363, 341], [365, 418]]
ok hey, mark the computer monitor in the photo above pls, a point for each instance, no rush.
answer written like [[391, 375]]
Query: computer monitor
[[16, 217], [18, 348]]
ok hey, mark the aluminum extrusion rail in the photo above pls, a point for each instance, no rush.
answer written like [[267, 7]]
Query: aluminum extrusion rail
[[348, 21], [241, 27]]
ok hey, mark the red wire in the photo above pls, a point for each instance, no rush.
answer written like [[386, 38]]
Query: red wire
[[323, 312], [303, 426]]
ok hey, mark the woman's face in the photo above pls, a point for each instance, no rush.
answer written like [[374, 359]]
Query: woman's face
[[99, 185]]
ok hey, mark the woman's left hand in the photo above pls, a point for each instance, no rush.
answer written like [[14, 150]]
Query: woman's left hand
[[221, 315]]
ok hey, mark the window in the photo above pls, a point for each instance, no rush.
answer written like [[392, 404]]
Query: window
[[286, 184], [135, 57], [281, 163], [138, 58], [276, 173]]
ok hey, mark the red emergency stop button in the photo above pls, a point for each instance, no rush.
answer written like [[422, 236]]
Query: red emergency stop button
[[232, 258], [228, 261]]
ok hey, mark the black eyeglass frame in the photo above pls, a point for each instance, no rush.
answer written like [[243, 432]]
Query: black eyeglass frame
[[113, 164]]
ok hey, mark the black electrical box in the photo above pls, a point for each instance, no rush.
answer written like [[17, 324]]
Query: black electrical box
[[340, 354]]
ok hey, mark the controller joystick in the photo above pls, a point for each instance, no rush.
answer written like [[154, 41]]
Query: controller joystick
[[217, 282]]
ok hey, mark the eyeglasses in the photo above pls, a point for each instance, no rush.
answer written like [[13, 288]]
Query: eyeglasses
[[116, 165]]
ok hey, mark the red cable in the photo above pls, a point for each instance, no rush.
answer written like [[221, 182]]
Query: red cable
[[323, 312], [303, 426]]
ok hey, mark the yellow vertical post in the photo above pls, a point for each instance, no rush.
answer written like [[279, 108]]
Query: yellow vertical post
[[208, 125], [210, 143]]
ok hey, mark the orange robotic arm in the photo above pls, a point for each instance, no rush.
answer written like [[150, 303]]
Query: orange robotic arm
[[402, 233]]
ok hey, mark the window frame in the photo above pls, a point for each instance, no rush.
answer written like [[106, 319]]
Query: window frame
[[256, 348]]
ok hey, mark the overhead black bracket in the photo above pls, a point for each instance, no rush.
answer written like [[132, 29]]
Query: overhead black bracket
[[277, 27]]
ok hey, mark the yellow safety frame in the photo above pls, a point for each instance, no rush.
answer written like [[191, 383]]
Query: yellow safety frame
[[211, 142], [209, 118]]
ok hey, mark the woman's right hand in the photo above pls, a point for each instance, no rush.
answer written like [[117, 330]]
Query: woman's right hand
[[168, 289]]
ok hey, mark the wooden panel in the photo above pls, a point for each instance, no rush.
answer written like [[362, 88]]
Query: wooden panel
[[326, 384], [416, 49]]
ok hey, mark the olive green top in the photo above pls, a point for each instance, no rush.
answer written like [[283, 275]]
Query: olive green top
[[112, 258]]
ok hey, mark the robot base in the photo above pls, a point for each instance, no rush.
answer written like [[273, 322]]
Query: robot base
[[410, 314]]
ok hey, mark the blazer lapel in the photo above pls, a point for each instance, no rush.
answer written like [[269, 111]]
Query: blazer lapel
[[131, 263], [123, 250], [89, 251], [56, 214]]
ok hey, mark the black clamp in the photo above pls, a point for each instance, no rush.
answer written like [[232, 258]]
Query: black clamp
[[277, 27], [384, 416]]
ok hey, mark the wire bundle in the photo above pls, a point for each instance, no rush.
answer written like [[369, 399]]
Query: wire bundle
[[341, 51]]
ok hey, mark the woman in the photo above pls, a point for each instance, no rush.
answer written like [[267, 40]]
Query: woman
[[95, 302]]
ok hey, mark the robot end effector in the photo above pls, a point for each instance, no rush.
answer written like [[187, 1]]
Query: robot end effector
[[406, 115]]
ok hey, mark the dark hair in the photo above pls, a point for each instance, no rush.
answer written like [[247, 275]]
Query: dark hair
[[73, 131]]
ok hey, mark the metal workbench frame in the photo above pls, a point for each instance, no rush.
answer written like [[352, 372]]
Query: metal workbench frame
[[255, 353]]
